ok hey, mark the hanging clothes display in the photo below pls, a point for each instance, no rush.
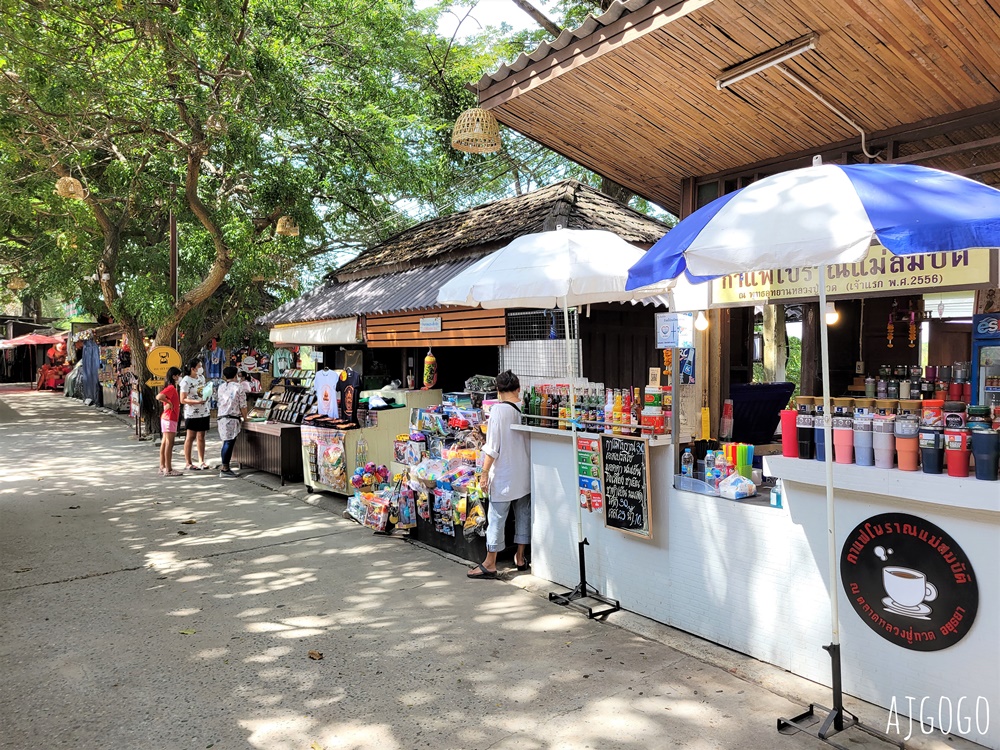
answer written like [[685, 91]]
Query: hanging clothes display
[[215, 360], [349, 386], [91, 367], [327, 394], [282, 360]]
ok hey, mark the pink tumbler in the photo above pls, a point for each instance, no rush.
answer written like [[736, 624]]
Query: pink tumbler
[[789, 436]]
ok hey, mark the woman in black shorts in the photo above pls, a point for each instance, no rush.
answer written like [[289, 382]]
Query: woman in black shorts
[[196, 412]]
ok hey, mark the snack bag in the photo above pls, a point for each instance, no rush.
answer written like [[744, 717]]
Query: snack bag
[[430, 370]]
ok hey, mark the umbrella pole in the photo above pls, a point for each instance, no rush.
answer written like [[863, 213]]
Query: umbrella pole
[[834, 721], [831, 540], [583, 589]]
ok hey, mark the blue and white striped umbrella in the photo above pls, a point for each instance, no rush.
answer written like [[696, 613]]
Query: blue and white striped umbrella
[[825, 215]]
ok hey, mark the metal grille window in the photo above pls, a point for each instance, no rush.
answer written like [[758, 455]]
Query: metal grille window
[[536, 345]]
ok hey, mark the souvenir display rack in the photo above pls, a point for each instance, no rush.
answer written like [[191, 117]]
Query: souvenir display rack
[[290, 399], [378, 439]]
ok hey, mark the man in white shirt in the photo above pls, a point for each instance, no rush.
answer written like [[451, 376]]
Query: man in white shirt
[[506, 478]]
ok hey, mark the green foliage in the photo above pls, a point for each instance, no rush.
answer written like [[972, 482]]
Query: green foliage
[[335, 113]]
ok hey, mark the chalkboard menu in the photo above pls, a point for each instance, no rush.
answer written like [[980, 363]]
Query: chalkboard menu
[[625, 462]]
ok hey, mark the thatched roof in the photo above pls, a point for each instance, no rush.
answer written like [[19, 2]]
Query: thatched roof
[[483, 229]]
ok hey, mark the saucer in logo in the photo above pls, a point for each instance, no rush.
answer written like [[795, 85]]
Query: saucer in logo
[[920, 611]]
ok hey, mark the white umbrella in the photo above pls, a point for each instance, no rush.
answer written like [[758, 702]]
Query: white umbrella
[[563, 268], [551, 269]]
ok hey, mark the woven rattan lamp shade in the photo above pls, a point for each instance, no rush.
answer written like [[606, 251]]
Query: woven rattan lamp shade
[[69, 187], [17, 284], [287, 226], [476, 131]]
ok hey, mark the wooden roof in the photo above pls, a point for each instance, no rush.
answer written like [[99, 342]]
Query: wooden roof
[[488, 227], [632, 94]]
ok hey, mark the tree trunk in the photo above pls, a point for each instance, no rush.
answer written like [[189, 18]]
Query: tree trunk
[[775, 343], [149, 408], [620, 193]]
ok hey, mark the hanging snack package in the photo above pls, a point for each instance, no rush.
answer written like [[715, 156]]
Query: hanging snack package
[[430, 370], [361, 452]]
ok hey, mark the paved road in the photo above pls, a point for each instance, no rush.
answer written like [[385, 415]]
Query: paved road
[[123, 626]]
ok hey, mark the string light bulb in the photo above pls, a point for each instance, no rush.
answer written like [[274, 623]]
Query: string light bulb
[[831, 314], [701, 322]]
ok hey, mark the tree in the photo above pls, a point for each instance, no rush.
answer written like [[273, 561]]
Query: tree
[[230, 113]]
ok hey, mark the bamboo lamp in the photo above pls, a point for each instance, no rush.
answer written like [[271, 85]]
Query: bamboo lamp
[[217, 124], [17, 284], [287, 227], [69, 187], [476, 131]]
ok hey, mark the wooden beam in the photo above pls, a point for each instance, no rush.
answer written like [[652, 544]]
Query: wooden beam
[[947, 150]]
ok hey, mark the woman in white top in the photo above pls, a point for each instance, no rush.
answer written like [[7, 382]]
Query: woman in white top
[[196, 413], [506, 478]]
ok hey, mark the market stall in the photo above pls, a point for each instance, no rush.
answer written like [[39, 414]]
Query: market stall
[[901, 552]]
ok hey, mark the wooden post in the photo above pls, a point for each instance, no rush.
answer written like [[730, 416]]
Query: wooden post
[[810, 372], [775, 343]]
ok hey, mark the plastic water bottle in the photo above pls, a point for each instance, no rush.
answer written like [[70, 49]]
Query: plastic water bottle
[[687, 463], [709, 464]]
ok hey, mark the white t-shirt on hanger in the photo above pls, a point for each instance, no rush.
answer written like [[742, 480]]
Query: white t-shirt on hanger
[[325, 385]]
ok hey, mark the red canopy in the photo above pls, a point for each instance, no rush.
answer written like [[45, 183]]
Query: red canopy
[[29, 339]]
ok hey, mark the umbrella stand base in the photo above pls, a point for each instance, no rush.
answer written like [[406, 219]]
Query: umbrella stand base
[[585, 597], [808, 722], [837, 720]]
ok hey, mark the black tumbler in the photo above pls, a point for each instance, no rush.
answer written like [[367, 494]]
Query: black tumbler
[[986, 450], [804, 428], [931, 440]]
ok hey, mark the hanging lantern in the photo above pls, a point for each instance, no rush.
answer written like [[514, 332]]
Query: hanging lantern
[[217, 124], [69, 187], [287, 227], [17, 284], [476, 132]]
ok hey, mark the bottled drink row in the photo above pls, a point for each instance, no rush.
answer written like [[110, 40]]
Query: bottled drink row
[[944, 382], [612, 410]]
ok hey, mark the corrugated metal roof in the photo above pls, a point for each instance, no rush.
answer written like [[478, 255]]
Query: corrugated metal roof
[[412, 289], [591, 24]]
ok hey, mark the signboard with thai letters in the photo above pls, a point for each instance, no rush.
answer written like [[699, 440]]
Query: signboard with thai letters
[[879, 273]]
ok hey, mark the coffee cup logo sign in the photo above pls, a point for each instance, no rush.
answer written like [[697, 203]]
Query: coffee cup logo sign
[[909, 581]]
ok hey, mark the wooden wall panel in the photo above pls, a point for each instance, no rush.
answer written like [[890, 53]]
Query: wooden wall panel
[[459, 327]]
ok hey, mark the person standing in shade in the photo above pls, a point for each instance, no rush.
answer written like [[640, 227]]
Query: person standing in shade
[[506, 478], [232, 410], [171, 401], [196, 413]]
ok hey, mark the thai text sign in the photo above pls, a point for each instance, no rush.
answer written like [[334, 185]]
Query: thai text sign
[[878, 273]]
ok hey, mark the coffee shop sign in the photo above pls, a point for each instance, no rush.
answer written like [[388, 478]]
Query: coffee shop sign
[[878, 273]]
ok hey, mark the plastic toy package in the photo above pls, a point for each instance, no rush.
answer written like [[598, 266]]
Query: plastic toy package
[[475, 516], [423, 500]]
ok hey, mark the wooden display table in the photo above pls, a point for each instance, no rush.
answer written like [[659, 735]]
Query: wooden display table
[[272, 447]]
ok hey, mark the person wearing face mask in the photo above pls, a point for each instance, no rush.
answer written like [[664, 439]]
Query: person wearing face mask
[[196, 412]]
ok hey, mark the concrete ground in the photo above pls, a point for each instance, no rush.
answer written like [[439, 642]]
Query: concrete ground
[[146, 612]]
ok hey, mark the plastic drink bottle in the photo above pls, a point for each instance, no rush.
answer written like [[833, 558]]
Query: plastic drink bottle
[[709, 465], [609, 409], [617, 413], [687, 463]]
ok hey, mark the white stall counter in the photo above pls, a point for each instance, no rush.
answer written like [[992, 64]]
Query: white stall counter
[[753, 577]]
